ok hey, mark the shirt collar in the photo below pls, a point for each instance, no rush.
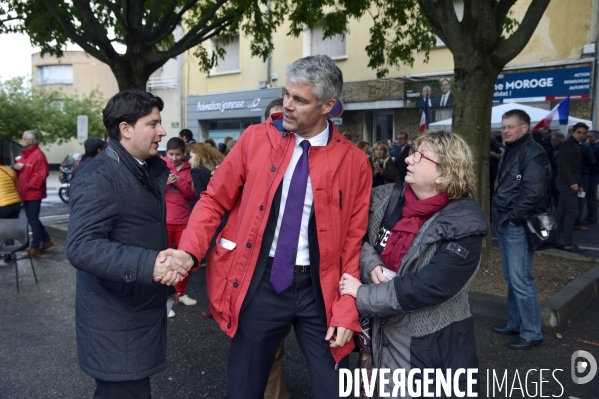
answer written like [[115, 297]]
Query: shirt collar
[[319, 140]]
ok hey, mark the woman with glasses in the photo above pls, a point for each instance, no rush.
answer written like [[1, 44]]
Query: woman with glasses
[[422, 251], [383, 167]]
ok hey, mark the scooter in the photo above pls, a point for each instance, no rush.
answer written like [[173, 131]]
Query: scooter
[[65, 178]]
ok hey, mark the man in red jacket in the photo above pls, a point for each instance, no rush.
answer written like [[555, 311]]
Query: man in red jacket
[[33, 170], [298, 195]]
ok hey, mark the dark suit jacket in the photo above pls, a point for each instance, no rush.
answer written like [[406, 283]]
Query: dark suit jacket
[[400, 161], [449, 103], [420, 103]]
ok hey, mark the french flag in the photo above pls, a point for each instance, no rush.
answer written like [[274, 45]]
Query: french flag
[[561, 110], [424, 117]]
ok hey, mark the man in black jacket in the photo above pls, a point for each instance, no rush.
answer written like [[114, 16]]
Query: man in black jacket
[[401, 153], [117, 241], [521, 191], [569, 184]]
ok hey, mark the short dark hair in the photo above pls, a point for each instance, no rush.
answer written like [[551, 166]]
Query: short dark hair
[[186, 133], [175, 143], [404, 134], [580, 124], [594, 133], [128, 106], [522, 116], [277, 102]]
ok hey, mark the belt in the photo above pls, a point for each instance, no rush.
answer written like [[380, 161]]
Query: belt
[[296, 268]]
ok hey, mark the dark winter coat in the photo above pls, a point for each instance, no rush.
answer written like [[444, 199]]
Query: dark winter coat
[[421, 318], [116, 229]]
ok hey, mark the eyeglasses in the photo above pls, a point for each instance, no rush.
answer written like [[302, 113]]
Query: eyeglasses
[[512, 127], [418, 156]]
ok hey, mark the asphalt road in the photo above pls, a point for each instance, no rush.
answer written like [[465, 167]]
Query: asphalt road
[[38, 354]]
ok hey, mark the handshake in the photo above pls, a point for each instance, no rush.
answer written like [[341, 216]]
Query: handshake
[[172, 266]]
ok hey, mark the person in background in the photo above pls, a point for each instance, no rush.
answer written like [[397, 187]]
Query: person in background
[[383, 167], [591, 217], [230, 145], [211, 142], [348, 136], [588, 164], [273, 107], [177, 196], [557, 139], [401, 153], [10, 201], [423, 249], [187, 136], [222, 147], [521, 191], [93, 147], [364, 146], [569, 184], [33, 169], [204, 159]]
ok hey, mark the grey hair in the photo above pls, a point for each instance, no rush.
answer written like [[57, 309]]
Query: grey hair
[[558, 136], [320, 72], [31, 135], [594, 133]]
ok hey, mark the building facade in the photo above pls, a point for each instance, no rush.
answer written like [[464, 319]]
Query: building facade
[[562, 51]]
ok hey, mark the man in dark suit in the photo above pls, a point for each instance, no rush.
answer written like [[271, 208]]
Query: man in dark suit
[[401, 153], [427, 91], [446, 99], [298, 196], [117, 241]]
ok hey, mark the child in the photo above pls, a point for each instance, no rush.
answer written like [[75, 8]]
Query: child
[[178, 194]]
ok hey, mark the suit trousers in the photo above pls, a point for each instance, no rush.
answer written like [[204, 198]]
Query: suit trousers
[[139, 389], [262, 324], [566, 213]]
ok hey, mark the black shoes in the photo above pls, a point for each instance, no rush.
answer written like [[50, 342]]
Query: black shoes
[[505, 331], [573, 248], [524, 344]]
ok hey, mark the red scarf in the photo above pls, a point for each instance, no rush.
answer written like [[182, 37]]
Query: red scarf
[[415, 212]]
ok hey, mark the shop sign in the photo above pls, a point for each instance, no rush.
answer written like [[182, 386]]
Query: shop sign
[[543, 85], [223, 106]]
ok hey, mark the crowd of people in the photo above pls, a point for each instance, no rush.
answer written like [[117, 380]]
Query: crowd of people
[[298, 228]]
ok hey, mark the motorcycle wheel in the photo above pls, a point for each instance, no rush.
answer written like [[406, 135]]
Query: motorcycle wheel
[[63, 193]]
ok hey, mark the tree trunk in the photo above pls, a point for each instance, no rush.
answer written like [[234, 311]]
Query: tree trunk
[[132, 71], [473, 87]]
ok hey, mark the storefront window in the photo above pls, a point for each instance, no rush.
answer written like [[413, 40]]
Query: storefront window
[[383, 127], [218, 130]]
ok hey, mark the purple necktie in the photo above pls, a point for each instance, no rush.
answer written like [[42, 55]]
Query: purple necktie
[[281, 275]]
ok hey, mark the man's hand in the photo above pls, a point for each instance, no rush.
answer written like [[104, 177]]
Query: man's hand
[[17, 166], [574, 187], [338, 336], [377, 275], [172, 266]]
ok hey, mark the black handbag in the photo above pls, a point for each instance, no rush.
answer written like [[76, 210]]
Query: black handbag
[[542, 231]]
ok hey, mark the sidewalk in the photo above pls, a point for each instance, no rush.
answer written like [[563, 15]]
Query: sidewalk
[[38, 356]]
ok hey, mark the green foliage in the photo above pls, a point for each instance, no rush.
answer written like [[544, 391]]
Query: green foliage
[[51, 113]]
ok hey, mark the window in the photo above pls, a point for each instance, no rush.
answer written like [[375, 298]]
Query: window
[[231, 61], [55, 75], [333, 46]]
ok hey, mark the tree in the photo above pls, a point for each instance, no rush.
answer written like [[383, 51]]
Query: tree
[[482, 43], [147, 28], [51, 113]]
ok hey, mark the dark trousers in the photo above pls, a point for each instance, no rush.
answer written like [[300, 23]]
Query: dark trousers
[[592, 199], [38, 231], [262, 324], [139, 389], [585, 187], [10, 211], [567, 210]]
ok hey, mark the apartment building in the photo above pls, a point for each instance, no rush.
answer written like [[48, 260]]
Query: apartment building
[[78, 72], [563, 51]]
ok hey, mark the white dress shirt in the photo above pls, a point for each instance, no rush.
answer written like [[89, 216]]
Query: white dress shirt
[[303, 254], [444, 98]]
